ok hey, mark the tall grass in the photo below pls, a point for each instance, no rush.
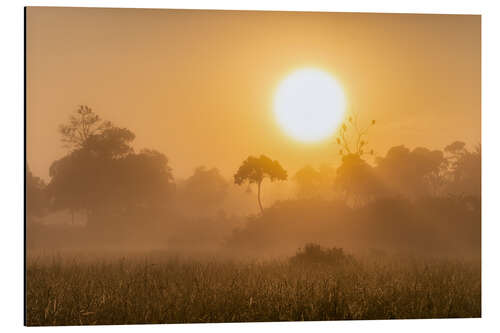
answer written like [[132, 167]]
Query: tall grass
[[152, 290]]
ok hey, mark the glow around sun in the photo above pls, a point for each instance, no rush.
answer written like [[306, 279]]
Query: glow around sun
[[309, 105]]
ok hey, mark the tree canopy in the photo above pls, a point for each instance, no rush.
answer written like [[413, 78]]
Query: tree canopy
[[206, 187], [356, 180], [36, 195], [102, 175], [352, 137], [464, 173], [413, 173], [81, 125], [312, 183], [254, 170]]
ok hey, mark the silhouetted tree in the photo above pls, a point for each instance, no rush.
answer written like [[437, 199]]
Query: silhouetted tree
[[102, 175], [72, 178], [82, 180], [464, 173], [112, 142], [206, 189], [254, 170], [356, 180], [83, 124], [352, 139], [308, 181], [455, 150], [413, 173], [36, 197], [142, 181], [314, 183]]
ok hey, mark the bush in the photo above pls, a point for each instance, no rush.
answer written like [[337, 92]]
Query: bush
[[315, 254]]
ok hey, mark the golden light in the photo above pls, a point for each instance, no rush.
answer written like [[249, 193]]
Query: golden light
[[309, 105]]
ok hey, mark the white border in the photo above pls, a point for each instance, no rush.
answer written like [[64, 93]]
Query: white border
[[11, 236]]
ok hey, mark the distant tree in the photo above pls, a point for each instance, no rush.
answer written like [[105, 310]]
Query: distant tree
[[102, 175], [112, 142], [101, 184], [81, 180], [352, 137], [82, 124], [308, 181], [464, 172], [142, 180], [412, 173], [205, 189], [36, 196], [72, 178], [314, 183], [254, 170], [356, 180], [455, 149]]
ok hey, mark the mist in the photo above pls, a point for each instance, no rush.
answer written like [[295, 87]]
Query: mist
[[103, 195]]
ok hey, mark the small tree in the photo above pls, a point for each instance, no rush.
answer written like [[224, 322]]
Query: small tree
[[356, 180], [205, 189], [81, 126], [254, 170], [308, 182], [351, 138], [355, 177]]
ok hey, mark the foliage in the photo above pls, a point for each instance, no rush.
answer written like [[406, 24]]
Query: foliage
[[464, 173], [428, 226], [312, 183], [351, 138], [103, 176], [314, 254], [356, 179], [414, 173], [81, 126], [205, 189], [112, 142], [254, 170], [36, 195]]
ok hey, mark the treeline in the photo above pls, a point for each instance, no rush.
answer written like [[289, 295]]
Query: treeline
[[420, 201], [401, 172], [109, 194]]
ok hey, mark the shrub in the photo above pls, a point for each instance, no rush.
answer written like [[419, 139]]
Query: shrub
[[315, 254]]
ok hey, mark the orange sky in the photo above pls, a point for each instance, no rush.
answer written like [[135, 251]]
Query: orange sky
[[198, 85]]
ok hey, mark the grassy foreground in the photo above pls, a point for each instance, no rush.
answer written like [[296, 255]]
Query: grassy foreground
[[132, 291]]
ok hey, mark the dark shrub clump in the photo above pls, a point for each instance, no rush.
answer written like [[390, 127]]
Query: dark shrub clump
[[315, 254]]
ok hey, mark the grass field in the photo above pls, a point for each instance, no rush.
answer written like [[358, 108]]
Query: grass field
[[153, 290]]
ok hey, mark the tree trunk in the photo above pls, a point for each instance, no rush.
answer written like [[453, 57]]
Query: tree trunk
[[258, 197]]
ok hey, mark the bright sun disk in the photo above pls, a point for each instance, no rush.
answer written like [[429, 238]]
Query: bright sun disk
[[309, 105]]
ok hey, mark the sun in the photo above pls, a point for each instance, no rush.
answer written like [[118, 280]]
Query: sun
[[309, 105]]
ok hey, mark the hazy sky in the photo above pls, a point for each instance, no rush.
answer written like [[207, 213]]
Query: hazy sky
[[198, 85]]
